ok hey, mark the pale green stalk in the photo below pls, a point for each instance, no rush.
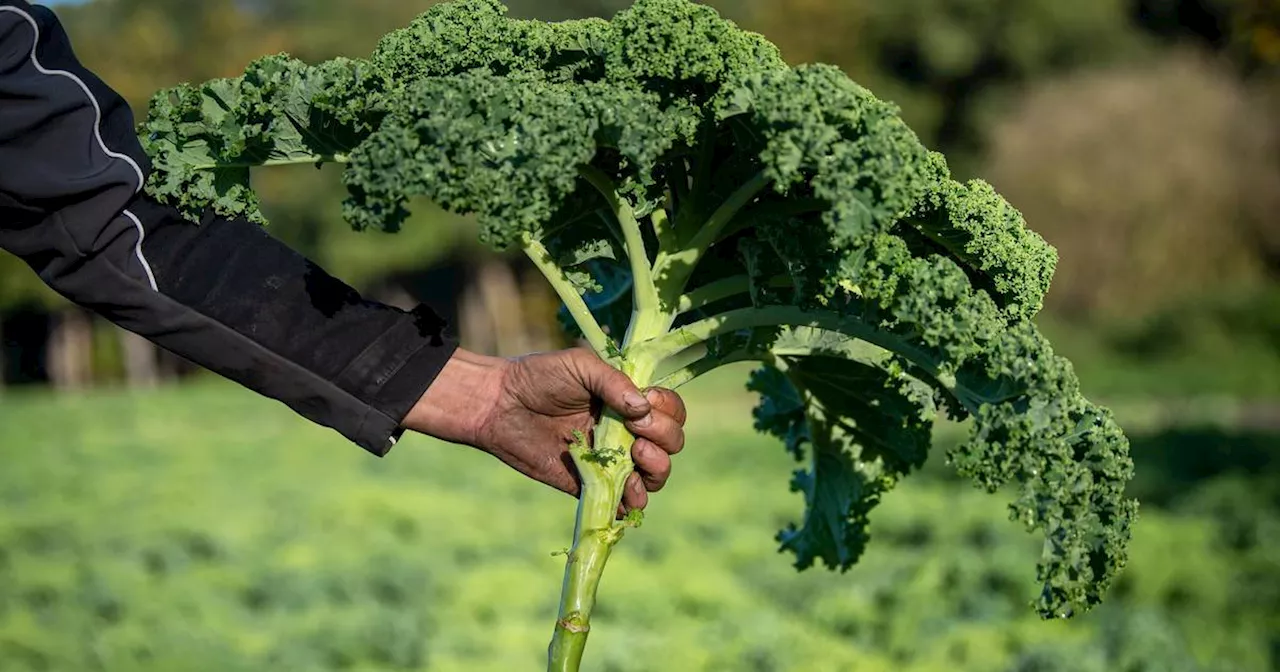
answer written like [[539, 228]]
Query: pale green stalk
[[308, 160], [728, 322], [663, 231], [606, 463], [646, 317], [722, 289], [676, 268], [712, 292], [685, 375], [555, 275], [596, 530]]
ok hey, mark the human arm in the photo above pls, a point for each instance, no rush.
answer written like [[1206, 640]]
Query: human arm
[[229, 297], [223, 293]]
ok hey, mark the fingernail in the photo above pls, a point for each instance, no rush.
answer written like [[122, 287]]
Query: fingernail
[[653, 396], [634, 400], [645, 421]]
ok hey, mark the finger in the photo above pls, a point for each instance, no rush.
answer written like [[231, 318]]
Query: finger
[[661, 429], [610, 385], [668, 402], [634, 495], [653, 464]]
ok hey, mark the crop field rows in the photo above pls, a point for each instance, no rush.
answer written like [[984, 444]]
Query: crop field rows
[[134, 537]]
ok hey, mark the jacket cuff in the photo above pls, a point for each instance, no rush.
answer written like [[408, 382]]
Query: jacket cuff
[[393, 373]]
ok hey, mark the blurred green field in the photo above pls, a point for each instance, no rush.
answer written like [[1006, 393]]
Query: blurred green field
[[203, 528]]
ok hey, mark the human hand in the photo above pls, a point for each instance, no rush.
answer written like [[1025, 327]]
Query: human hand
[[524, 412]]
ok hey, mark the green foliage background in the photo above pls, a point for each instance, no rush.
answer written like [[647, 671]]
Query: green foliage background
[[204, 529]]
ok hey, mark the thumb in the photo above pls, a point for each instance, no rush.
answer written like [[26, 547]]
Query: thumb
[[611, 386]]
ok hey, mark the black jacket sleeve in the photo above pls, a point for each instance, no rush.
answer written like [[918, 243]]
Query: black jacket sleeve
[[223, 293]]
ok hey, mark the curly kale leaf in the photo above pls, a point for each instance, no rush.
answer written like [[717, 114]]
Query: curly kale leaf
[[683, 188], [864, 429], [989, 236], [203, 140]]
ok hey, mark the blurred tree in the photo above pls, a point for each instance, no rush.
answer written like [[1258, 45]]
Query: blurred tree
[[1266, 230], [946, 62], [1256, 25], [320, 29], [1248, 30], [1203, 20], [168, 41], [559, 10], [1150, 181]]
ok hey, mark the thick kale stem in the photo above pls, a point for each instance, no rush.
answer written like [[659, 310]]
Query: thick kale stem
[[646, 320], [603, 467], [555, 275], [702, 331], [594, 536]]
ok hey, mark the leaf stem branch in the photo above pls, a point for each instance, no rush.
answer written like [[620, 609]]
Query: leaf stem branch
[[647, 311], [310, 159], [721, 289], [676, 268], [705, 365], [732, 321], [710, 231], [573, 301]]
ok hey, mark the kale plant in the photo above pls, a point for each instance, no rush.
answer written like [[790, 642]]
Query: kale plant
[[696, 202]]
